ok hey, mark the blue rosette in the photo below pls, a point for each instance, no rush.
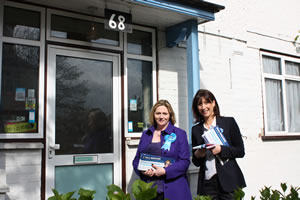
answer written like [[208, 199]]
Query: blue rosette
[[168, 140]]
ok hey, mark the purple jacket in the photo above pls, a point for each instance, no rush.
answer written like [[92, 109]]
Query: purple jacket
[[175, 183]]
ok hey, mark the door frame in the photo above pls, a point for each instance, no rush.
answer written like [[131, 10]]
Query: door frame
[[52, 51]]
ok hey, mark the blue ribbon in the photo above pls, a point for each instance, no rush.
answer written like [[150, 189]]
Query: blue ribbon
[[168, 140]]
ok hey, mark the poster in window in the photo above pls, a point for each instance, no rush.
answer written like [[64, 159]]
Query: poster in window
[[20, 94], [31, 93], [30, 103], [133, 105], [31, 116], [130, 126]]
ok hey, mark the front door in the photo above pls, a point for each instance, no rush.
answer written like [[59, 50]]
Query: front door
[[83, 140]]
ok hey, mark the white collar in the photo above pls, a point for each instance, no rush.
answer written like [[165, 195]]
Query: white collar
[[214, 123]]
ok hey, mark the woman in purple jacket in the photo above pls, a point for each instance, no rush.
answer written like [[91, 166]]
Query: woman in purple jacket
[[165, 140]]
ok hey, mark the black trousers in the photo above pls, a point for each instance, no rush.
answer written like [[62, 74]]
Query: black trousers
[[213, 188]]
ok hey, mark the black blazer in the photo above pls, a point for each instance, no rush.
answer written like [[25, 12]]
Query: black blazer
[[230, 175]]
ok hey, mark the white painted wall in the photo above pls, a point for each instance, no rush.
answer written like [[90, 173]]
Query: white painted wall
[[172, 79], [22, 168], [230, 68]]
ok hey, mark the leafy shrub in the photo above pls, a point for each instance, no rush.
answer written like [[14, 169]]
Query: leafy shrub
[[144, 191], [140, 190], [84, 194], [266, 193], [202, 197]]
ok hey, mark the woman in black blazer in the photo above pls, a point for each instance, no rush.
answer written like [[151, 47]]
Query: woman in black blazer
[[219, 173]]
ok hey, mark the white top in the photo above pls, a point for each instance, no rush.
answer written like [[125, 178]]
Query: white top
[[210, 158]]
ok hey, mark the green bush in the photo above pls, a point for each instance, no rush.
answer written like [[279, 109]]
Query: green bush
[[83, 195], [144, 191], [266, 193], [140, 190]]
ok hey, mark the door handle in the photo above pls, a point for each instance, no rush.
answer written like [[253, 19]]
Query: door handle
[[52, 149]]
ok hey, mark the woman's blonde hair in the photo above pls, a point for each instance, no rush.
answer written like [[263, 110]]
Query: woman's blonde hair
[[165, 103]]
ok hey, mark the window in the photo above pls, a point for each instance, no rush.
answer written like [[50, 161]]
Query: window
[[21, 23], [81, 29], [139, 43], [281, 75], [22, 71], [141, 79], [139, 94]]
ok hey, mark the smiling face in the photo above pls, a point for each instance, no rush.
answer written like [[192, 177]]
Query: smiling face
[[206, 109], [162, 117]]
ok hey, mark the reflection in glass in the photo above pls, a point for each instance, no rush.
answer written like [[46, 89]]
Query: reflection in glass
[[19, 88], [139, 43], [21, 23], [82, 30], [139, 93], [84, 107]]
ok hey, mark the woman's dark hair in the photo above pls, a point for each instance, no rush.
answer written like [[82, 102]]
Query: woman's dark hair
[[209, 97]]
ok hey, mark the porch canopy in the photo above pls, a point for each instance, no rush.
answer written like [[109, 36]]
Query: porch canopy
[[156, 13]]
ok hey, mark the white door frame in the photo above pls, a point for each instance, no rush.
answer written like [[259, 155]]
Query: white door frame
[[115, 157]]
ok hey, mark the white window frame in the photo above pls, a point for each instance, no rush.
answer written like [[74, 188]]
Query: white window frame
[[154, 77], [281, 77], [81, 17], [41, 45]]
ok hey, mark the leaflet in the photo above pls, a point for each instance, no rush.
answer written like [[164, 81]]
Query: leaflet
[[204, 146], [147, 160], [215, 136]]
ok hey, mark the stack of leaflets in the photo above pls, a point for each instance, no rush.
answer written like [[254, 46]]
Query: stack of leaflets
[[147, 160], [215, 136]]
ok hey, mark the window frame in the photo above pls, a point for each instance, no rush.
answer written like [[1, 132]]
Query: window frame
[[154, 74], [283, 77], [41, 78], [80, 17]]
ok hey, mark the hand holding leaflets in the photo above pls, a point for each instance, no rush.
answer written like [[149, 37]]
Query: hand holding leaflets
[[212, 137], [215, 136], [147, 161]]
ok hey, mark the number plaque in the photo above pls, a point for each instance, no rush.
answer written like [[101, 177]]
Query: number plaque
[[118, 21]]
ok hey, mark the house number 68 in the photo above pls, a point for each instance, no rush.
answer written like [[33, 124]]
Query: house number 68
[[120, 24]]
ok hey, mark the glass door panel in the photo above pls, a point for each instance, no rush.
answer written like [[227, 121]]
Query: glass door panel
[[84, 110], [94, 177]]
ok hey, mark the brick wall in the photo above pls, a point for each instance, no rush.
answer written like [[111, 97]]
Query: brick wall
[[22, 165]]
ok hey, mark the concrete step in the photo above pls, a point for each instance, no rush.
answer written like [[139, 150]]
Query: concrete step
[[3, 187]]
